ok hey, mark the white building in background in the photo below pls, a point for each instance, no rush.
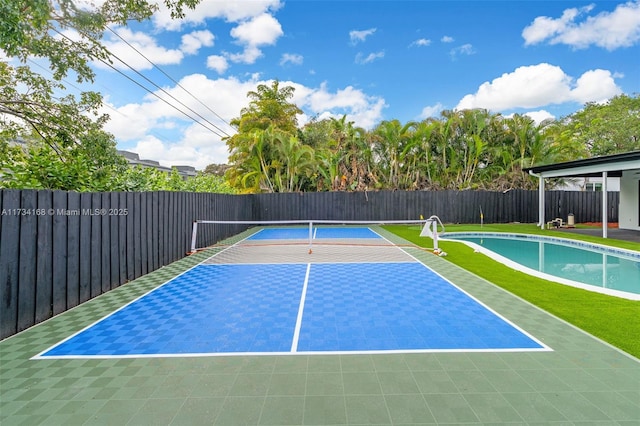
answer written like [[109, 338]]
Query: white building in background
[[134, 160], [590, 184]]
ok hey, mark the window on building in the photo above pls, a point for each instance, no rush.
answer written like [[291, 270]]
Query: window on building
[[593, 186]]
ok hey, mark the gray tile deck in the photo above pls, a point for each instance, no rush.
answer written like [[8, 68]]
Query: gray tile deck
[[582, 381]]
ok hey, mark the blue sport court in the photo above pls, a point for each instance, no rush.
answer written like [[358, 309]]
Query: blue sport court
[[241, 302]]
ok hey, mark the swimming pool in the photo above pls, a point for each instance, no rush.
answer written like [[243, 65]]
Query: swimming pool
[[589, 266]]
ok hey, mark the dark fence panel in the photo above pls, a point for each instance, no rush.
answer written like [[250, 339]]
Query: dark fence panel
[[9, 262], [450, 206], [59, 249], [73, 251], [586, 206]]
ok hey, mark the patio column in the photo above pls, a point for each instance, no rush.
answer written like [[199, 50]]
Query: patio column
[[541, 201], [604, 205]]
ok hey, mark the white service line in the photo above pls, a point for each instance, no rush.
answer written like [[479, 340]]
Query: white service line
[[303, 296]]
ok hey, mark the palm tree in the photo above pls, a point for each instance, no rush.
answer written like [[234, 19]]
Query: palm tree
[[297, 162], [391, 140], [269, 106]]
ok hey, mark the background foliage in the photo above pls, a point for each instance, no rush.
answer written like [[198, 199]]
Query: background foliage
[[468, 149]]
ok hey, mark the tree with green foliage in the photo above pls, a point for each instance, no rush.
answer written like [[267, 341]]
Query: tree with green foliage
[[216, 169], [606, 128], [269, 106], [90, 165], [263, 147], [63, 130], [143, 179]]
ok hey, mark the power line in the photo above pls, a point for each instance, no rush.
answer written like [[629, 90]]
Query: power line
[[166, 93], [171, 78], [149, 90]]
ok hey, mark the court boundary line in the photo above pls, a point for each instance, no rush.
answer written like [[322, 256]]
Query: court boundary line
[[303, 298], [300, 353]]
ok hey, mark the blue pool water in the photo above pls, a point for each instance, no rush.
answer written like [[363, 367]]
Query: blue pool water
[[591, 265]]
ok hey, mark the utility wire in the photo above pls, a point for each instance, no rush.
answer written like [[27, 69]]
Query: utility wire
[[172, 79], [149, 90]]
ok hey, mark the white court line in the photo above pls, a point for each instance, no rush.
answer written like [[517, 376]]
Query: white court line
[[303, 296]]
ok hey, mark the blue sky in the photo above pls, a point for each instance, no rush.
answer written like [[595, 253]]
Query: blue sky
[[370, 60]]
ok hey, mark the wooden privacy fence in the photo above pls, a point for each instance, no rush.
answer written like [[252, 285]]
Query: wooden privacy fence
[[59, 249], [451, 206]]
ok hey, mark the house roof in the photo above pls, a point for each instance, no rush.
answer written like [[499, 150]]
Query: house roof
[[614, 165]]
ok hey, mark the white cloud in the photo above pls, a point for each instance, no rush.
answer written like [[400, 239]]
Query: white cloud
[[539, 85], [363, 59], [421, 42], [217, 63], [249, 55], [539, 116], [142, 43], [356, 36], [465, 49], [291, 58], [255, 27], [595, 86], [193, 41], [258, 31], [364, 110], [431, 111], [231, 11], [447, 39], [544, 27], [609, 30]]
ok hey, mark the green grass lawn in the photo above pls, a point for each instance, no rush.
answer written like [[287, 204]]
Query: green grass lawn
[[612, 319]]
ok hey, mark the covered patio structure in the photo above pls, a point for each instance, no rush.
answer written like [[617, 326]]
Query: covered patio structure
[[625, 166]]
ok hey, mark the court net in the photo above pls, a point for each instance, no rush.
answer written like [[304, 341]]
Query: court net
[[302, 241]]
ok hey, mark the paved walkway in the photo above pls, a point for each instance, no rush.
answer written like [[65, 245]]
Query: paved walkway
[[583, 381], [612, 233]]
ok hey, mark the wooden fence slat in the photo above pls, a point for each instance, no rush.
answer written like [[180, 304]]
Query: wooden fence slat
[[114, 240], [9, 262], [119, 274], [96, 245], [44, 258], [86, 246], [60, 213], [129, 242], [27, 270], [73, 250], [155, 231], [105, 266], [168, 227], [145, 230], [136, 212]]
